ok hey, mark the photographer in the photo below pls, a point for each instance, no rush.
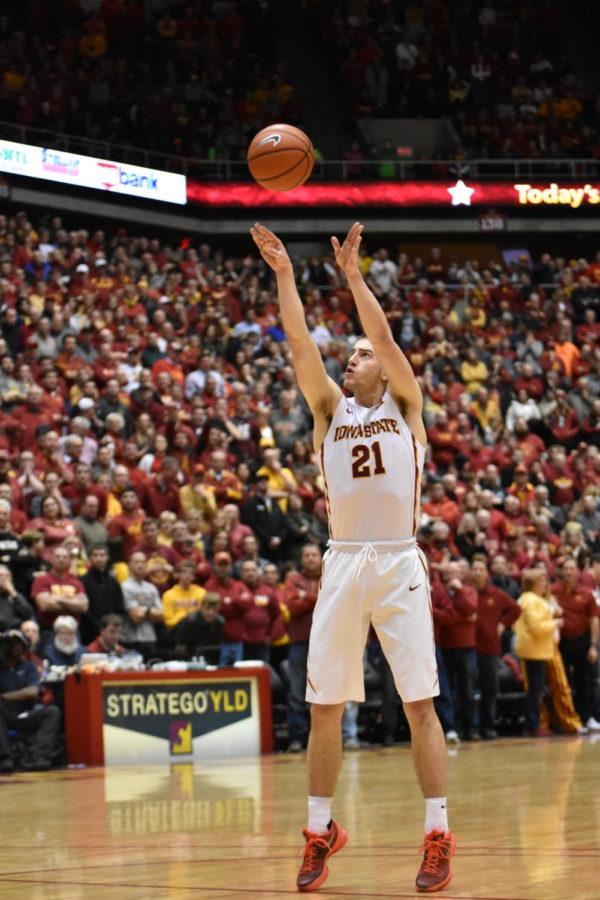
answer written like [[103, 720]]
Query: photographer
[[20, 709], [14, 609]]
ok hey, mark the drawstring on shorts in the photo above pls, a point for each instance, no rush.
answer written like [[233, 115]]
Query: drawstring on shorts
[[367, 554]]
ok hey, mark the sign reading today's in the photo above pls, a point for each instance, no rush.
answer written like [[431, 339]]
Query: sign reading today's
[[157, 722], [90, 172], [459, 194]]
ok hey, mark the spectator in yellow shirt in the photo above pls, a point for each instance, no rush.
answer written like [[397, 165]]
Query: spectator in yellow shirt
[[281, 480], [537, 638], [484, 408], [195, 496], [184, 598], [473, 371], [166, 520]]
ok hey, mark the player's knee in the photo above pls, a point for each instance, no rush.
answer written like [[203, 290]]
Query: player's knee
[[420, 712], [323, 714]]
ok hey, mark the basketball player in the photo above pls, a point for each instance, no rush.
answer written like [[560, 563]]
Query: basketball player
[[371, 447]]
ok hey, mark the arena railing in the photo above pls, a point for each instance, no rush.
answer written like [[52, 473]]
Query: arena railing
[[395, 169], [454, 288]]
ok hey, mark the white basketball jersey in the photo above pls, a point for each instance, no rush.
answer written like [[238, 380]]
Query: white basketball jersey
[[372, 465]]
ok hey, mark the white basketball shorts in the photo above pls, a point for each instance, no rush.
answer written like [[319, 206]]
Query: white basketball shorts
[[385, 584]]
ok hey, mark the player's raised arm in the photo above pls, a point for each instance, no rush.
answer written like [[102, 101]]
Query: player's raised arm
[[322, 394], [402, 382]]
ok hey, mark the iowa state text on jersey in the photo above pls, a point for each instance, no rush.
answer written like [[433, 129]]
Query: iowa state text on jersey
[[349, 432]]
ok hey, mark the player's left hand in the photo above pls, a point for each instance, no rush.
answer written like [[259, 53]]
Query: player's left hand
[[592, 654], [346, 254]]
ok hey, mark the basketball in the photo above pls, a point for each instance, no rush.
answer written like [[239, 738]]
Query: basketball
[[280, 157]]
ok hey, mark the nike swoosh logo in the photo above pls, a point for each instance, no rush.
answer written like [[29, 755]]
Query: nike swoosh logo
[[414, 588], [270, 139]]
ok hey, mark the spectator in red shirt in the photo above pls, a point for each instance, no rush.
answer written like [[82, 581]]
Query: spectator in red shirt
[[236, 529], [439, 544], [563, 422], [47, 455], [54, 526], [300, 595], [515, 520], [496, 611], [131, 458], [478, 455], [458, 642], [57, 593], [221, 581], [182, 544], [528, 381], [253, 617], [561, 482], [81, 487], [229, 589], [579, 635], [30, 415], [111, 630], [263, 622], [162, 491], [441, 507], [68, 362], [222, 482], [443, 440], [125, 529], [531, 445]]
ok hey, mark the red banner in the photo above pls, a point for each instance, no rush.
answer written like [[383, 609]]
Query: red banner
[[524, 194]]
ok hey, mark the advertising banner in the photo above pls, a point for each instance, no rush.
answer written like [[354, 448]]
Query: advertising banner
[[89, 172], [179, 720], [524, 194]]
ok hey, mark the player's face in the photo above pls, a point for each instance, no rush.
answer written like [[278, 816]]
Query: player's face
[[362, 369]]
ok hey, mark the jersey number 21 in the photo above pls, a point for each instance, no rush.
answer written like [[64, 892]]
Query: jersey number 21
[[361, 460]]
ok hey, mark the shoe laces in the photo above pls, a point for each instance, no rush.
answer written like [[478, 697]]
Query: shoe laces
[[310, 851], [435, 849]]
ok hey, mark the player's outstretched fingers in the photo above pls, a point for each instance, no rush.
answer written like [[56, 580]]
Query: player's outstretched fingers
[[264, 233]]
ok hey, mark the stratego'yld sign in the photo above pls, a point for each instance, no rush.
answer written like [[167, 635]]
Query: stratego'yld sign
[[150, 722]]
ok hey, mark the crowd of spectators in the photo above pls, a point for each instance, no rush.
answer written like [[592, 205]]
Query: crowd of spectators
[[193, 79], [158, 487], [497, 69]]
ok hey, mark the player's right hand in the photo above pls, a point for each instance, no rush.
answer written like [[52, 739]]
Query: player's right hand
[[346, 254], [271, 249]]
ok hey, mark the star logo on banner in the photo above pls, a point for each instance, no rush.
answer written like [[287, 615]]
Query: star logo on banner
[[461, 194]]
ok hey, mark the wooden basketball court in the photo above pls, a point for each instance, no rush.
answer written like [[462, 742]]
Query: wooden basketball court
[[526, 815]]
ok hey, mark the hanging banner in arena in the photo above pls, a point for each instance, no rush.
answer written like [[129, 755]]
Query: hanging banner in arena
[[89, 172], [462, 193], [179, 720]]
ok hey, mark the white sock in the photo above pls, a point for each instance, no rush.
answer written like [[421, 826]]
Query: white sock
[[436, 814], [319, 814]]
